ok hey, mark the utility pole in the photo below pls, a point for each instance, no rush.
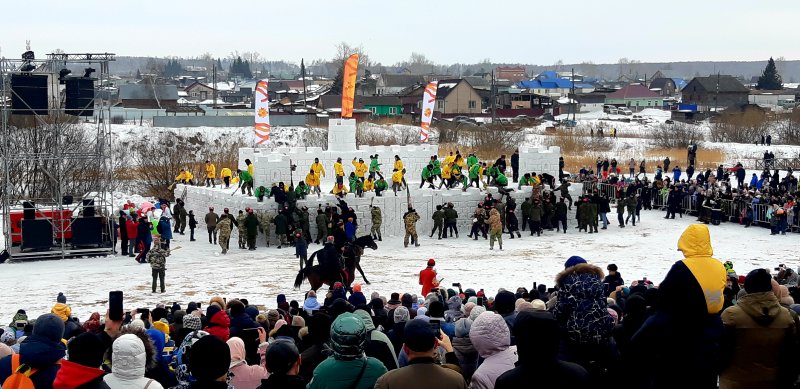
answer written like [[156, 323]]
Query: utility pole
[[716, 94], [303, 75], [494, 100], [572, 106], [214, 85]]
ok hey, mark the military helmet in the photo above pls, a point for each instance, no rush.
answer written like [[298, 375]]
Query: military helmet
[[348, 337]]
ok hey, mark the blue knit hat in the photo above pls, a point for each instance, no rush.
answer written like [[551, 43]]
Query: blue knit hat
[[574, 260]]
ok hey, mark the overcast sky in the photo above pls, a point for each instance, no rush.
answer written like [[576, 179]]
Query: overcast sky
[[446, 31]]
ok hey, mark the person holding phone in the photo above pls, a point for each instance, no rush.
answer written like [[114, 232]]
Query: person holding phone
[[420, 343]]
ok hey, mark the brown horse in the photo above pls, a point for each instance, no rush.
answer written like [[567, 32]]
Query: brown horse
[[318, 276]]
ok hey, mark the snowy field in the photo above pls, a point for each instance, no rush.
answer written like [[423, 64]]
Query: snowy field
[[196, 272]]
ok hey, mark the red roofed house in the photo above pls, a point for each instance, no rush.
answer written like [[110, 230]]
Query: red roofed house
[[635, 96]]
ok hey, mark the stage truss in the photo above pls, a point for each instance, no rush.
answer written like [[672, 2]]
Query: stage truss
[[58, 168]]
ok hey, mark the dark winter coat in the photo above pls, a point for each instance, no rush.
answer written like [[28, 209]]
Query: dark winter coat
[[143, 232], [240, 323], [581, 306], [251, 224], [515, 161], [438, 217], [39, 353], [281, 224], [450, 215], [192, 221], [279, 194], [282, 381], [684, 332]]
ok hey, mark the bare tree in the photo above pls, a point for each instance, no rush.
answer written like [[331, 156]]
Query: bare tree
[[677, 135]]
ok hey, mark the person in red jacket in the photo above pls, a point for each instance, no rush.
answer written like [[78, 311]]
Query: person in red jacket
[[427, 278], [130, 226]]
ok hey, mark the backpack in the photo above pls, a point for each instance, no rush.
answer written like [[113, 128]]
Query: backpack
[[20, 377]]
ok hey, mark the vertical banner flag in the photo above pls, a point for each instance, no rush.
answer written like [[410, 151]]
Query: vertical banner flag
[[262, 112], [349, 86], [428, 105]]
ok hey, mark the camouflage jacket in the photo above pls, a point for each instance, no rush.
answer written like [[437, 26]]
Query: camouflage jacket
[[240, 221], [157, 258], [377, 216], [410, 219], [224, 226], [265, 220]]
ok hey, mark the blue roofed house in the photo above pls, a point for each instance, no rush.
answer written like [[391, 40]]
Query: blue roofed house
[[548, 83]]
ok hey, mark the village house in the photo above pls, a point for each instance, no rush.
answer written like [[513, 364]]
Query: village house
[[392, 84], [511, 73], [453, 96], [147, 96], [636, 97], [715, 92]]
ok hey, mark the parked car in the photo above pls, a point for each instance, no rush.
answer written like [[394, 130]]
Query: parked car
[[624, 111], [610, 109]]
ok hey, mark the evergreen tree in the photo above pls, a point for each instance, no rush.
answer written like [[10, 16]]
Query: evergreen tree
[[138, 74], [770, 79], [336, 87]]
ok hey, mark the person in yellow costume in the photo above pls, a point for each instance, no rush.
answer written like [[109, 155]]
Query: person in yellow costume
[[226, 175], [317, 168], [397, 180], [313, 181], [361, 168], [447, 174], [185, 177], [338, 169], [369, 185], [339, 188], [211, 174]]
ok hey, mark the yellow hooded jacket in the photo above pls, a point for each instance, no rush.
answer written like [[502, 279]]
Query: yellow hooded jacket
[[211, 171], [63, 311], [312, 179], [695, 244]]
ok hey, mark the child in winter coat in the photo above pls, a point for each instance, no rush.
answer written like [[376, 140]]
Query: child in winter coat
[[192, 226]]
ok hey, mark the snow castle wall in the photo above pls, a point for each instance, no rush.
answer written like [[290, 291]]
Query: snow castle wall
[[273, 166]]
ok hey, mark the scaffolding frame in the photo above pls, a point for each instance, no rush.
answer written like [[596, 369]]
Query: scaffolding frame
[[97, 153]]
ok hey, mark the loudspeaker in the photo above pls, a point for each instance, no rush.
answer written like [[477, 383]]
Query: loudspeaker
[[87, 231], [67, 200], [37, 234], [88, 208], [29, 95], [28, 210], [79, 96]]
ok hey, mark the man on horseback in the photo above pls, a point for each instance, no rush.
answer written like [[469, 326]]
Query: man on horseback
[[330, 261]]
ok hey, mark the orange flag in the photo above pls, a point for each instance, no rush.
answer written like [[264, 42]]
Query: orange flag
[[349, 85]]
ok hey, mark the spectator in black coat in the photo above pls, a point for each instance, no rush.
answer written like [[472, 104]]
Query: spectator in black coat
[[613, 279], [500, 164], [537, 335], [279, 194], [240, 320], [515, 164]]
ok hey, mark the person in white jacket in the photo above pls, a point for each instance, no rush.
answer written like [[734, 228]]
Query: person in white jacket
[[492, 339], [129, 361]]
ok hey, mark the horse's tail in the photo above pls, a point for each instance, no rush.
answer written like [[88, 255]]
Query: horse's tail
[[301, 275]]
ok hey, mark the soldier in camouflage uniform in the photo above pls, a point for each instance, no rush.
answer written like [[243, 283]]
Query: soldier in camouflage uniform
[[264, 224], [242, 229], [157, 257], [377, 220], [410, 218], [224, 226], [322, 226]]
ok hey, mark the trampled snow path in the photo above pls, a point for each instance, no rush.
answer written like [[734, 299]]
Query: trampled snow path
[[196, 272]]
